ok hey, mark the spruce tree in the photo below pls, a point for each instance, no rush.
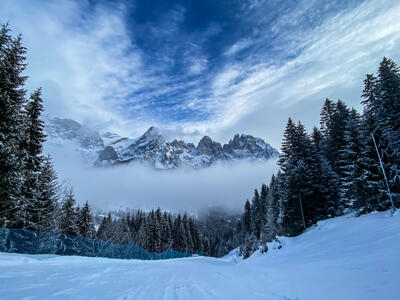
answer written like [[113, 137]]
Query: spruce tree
[[189, 238], [166, 236], [69, 220], [12, 99], [388, 124], [197, 245], [298, 166], [256, 217], [270, 229], [246, 218], [32, 148], [369, 186], [48, 196], [85, 222], [350, 156]]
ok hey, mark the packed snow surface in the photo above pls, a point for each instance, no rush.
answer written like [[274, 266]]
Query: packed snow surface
[[342, 258]]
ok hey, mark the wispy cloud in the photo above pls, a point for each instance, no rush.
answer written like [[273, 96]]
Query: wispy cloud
[[239, 46], [97, 65], [331, 60]]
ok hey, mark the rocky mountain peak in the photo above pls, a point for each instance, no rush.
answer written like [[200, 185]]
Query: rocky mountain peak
[[207, 146], [152, 148]]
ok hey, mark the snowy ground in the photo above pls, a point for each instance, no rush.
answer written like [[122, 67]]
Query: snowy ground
[[342, 258]]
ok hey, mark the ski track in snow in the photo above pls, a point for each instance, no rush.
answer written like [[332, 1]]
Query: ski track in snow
[[342, 258]]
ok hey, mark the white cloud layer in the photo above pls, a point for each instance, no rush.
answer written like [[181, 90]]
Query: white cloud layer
[[138, 186]]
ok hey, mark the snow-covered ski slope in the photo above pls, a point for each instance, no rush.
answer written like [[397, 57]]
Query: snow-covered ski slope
[[342, 258]]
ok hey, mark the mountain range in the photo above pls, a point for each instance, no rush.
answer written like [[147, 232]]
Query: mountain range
[[106, 149]]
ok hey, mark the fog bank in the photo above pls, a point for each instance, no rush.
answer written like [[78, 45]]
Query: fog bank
[[137, 186]]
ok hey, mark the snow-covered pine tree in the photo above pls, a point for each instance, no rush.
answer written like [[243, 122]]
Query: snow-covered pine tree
[[85, 222], [350, 158], [368, 187], [246, 219], [69, 220], [189, 238], [158, 231], [270, 229], [166, 236], [256, 214], [197, 245], [298, 165], [327, 181], [250, 246], [180, 242], [48, 197], [387, 113], [334, 142], [206, 246], [12, 99], [32, 146]]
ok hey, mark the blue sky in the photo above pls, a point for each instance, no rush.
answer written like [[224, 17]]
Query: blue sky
[[201, 67]]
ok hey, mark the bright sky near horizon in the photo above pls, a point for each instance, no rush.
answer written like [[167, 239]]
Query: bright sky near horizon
[[201, 67]]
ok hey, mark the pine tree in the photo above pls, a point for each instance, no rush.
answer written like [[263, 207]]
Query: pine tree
[[86, 226], [69, 222], [158, 230], [270, 229], [206, 246], [166, 236], [368, 186], [33, 159], [250, 246], [48, 196], [256, 217], [246, 218], [12, 99], [298, 166], [197, 244], [189, 238], [350, 158], [327, 181], [180, 242], [388, 124]]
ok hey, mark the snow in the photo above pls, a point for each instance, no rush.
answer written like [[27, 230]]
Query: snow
[[341, 258]]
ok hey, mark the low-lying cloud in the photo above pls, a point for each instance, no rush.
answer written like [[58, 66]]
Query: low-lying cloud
[[137, 186]]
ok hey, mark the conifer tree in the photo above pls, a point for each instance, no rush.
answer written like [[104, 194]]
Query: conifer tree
[[388, 124], [246, 218], [206, 246], [166, 236], [368, 187], [180, 242], [350, 157], [189, 238], [298, 166], [48, 196], [197, 245], [32, 160], [69, 222], [250, 246], [270, 229], [256, 217], [12, 99], [86, 226]]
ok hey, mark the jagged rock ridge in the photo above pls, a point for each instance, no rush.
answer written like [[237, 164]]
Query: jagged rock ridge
[[152, 148]]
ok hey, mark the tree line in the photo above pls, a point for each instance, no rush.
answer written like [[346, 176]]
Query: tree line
[[334, 169]]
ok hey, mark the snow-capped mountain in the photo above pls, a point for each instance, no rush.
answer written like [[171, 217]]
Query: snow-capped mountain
[[152, 148]]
